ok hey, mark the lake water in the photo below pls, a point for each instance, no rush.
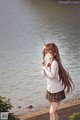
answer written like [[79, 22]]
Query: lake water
[[24, 26]]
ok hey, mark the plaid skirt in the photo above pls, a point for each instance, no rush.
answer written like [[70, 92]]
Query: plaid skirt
[[55, 97]]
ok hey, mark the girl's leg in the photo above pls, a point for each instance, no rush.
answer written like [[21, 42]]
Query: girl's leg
[[56, 116], [56, 112], [53, 110]]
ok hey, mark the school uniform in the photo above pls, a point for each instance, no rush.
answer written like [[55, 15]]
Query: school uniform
[[55, 91]]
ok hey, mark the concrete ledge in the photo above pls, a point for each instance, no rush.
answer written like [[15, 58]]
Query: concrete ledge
[[64, 111]]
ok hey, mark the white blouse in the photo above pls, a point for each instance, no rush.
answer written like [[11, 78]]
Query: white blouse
[[52, 76]]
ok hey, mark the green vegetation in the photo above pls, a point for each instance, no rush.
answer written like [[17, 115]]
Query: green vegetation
[[6, 106], [75, 116]]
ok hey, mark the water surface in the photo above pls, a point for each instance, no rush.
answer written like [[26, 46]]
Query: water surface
[[24, 26]]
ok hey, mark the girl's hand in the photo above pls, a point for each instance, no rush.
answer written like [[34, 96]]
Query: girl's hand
[[43, 67], [43, 64]]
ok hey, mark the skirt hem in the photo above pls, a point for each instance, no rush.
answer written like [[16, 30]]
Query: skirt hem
[[55, 97]]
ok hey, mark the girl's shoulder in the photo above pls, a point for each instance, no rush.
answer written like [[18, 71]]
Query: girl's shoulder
[[54, 63]]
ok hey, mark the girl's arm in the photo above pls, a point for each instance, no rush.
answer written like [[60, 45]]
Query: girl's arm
[[51, 73], [43, 73]]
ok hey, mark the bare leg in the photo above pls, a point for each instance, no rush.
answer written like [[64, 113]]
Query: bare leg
[[53, 110], [56, 116]]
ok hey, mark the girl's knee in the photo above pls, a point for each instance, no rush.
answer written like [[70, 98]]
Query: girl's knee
[[52, 111], [53, 107]]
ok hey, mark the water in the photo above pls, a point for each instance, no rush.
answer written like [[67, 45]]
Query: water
[[24, 26]]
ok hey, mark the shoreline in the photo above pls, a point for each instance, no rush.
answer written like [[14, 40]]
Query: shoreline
[[64, 110]]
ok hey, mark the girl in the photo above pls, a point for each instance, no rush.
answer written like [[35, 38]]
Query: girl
[[56, 76]]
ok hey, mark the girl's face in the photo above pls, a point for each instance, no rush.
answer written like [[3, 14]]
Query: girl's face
[[49, 54]]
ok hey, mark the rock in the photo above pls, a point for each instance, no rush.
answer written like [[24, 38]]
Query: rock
[[30, 107], [19, 106]]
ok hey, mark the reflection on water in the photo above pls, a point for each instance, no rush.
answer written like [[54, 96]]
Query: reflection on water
[[25, 25]]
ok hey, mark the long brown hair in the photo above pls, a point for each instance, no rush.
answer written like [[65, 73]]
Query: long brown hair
[[63, 73]]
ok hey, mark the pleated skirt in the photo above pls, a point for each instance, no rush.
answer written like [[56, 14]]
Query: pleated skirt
[[55, 97]]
